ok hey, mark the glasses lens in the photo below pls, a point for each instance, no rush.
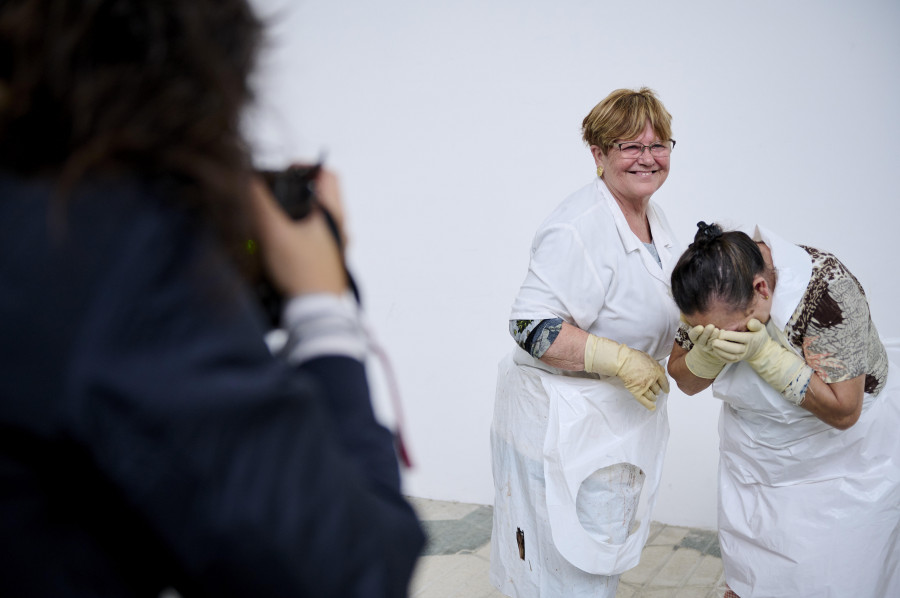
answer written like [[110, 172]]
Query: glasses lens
[[634, 150], [660, 150], [631, 150]]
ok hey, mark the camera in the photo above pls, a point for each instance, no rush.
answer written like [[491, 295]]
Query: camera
[[294, 190]]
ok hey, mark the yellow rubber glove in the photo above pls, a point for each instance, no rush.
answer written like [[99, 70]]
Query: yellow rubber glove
[[784, 370], [735, 346], [642, 375], [702, 360]]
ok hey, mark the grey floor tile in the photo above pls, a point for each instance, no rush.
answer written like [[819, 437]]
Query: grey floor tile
[[705, 541], [678, 562], [452, 536], [707, 573], [670, 535], [452, 576], [484, 552], [428, 509], [678, 568], [653, 558], [626, 591], [655, 528]]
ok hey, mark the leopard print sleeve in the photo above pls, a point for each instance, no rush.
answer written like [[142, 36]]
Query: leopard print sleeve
[[833, 328]]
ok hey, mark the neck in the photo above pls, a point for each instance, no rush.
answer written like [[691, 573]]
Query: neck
[[635, 213]]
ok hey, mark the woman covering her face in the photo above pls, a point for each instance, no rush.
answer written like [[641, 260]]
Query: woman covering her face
[[809, 470], [580, 424]]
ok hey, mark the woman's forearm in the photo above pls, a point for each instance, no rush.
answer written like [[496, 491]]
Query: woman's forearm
[[567, 351], [687, 382], [838, 404]]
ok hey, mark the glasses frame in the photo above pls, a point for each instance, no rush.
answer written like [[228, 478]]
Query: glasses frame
[[646, 147]]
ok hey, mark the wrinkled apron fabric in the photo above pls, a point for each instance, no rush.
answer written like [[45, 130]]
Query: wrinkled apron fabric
[[806, 509], [590, 471]]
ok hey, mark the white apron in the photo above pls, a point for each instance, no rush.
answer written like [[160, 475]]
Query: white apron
[[576, 459], [589, 425], [806, 509]]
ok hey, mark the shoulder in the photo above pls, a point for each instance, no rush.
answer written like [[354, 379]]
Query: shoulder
[[584, 213], [833, 295], [830, 275], [584, 202]]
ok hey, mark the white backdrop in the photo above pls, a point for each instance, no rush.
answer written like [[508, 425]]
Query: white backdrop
[[455, 129]]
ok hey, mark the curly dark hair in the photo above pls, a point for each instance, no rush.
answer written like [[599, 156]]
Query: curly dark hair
[[152, 88]]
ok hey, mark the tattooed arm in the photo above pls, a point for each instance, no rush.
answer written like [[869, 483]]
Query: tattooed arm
[[556, 343]]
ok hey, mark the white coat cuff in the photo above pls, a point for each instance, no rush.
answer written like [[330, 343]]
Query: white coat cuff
[[323, 324]]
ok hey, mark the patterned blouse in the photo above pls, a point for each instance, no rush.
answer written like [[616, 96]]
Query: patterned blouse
[[832, 326]]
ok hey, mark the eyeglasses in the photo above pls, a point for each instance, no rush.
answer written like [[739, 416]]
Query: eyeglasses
[[660, 149]]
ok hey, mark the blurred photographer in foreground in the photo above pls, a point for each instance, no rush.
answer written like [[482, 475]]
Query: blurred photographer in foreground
[[148, 437]]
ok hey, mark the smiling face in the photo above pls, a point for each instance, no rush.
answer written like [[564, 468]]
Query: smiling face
[[633, 180]]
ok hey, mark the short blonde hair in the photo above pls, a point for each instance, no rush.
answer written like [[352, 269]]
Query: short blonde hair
[[623, 114]]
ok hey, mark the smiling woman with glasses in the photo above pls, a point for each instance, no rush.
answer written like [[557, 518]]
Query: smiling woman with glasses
[[580, 424]]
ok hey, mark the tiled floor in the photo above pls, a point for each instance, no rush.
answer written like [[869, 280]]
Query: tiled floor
[[678, 562]]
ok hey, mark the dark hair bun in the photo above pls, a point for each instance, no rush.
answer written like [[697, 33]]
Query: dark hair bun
[[706, 234]]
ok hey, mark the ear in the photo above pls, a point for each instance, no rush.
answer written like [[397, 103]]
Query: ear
[[599, 156], [761, 286]]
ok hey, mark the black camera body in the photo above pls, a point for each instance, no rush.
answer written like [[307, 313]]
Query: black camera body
[[293, 188]]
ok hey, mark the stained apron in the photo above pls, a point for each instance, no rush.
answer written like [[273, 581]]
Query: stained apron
[[588, 459], [806, 509]]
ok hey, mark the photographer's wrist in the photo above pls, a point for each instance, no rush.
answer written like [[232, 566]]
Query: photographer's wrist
[[319, 324]]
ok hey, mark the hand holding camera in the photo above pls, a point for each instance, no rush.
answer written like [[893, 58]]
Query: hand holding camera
[[299, 223]]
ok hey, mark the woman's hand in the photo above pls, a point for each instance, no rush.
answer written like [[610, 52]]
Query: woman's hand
[[733, 346], [576, 350], [838, 404], [703, 360], [688, 382], [642, 375], [784, 370], [301, 257]]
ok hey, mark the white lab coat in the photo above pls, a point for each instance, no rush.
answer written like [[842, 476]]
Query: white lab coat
[[806, 509], [553, 430]]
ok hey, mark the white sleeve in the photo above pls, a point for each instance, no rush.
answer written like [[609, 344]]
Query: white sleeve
[[323, 324], [562, 280]]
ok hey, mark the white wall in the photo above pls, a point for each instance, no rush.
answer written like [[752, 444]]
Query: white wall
[[455, 129]]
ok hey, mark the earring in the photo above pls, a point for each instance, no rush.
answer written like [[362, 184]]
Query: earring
[[600, 171], [765, 296]]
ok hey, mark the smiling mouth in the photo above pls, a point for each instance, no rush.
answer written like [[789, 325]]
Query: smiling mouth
[[643, 172]]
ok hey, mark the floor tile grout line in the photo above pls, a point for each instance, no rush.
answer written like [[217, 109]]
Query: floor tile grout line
[[696, 566], [684, 582], [669, 540], [654, 572]]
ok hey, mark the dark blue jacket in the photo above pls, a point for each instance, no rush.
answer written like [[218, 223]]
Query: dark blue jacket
[[148, 439]]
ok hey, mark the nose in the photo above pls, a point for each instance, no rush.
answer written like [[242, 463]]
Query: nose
[[646, 157]]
